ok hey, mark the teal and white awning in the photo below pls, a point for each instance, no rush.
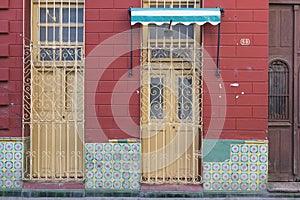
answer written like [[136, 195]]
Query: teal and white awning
[[184, 16]]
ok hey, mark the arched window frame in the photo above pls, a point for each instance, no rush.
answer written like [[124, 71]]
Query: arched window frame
[[279, 93]]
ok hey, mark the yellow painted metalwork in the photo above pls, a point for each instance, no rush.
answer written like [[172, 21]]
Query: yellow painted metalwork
[[53, 111], [171, 96]]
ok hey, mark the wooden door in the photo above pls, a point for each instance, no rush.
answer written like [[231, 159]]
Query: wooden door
[[170, 138], [283, 91]]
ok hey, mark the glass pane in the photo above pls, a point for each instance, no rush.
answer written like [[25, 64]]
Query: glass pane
[[156, 98], [53, 34], [182, 30], [65, 15], [191, 31], [50, 34], [42, 15], [80, 34], [42, 34], [51, 14], [152, 31], [161, 31], [65, 34], [72, 12], [157, 32], [185, 98], [73, 34], [73, 15], [176, 32], [80, 15], [49, 54], [70, 54]]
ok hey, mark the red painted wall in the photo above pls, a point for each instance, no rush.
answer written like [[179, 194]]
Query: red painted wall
[[11, 16], [112, 98], [246, 114], [246, 105]]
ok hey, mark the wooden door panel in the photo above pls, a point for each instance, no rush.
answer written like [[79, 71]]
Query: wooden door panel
[[286, 27], [281, 43], [273, 27], [280, 159]]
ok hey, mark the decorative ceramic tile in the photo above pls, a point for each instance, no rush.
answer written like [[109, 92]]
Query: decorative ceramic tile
[[246, 169], [11, 163], [112, 166]]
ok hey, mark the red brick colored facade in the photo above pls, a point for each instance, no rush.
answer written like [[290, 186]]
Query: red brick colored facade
[[11, 20], [246, 114]]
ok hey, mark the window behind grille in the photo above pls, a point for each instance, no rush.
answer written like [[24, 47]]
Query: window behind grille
[[278, 91], [172, 41], [59, 31]]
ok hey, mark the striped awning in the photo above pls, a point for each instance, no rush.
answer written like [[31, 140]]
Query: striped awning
[[184, 16]]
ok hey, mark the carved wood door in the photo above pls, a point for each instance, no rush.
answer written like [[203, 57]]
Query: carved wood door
[[284, 55]]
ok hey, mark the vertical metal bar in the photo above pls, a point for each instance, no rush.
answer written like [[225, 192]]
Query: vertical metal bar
[[60, 151], [54, 22], [75, 91], [68, 156], [46, 24], [53, 123], [156, 153], [69, 23], [147, 84], [287, 93], [187, 152], [83, 92], [131, 54], [38, 153], [296, 137], [164, 155], [157, 29], [218, 51], [76, 25], [30, 155], [31, 94]]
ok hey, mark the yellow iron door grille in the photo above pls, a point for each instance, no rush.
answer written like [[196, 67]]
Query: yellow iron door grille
[[170, 126], [53, 117], [171, 99]]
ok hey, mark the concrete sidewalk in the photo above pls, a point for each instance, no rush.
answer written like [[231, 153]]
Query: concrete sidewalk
[[138, 198], [275, 191]]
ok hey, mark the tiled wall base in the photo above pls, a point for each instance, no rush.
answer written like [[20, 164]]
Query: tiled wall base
[[114, 166], [11, 163], [246, 170]]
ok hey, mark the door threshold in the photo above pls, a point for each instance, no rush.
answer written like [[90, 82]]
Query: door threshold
[[284, 187]]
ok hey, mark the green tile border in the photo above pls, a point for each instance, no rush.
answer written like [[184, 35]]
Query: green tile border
[[217, 150]]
